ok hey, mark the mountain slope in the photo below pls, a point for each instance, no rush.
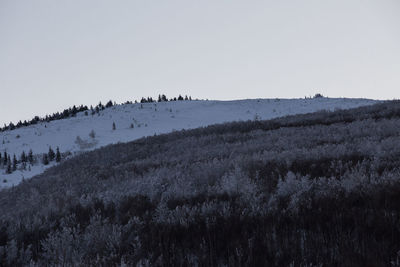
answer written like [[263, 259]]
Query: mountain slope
[[146, 119], [305, 190]]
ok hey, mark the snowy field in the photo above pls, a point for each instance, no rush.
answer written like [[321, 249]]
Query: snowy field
[[133, 121]]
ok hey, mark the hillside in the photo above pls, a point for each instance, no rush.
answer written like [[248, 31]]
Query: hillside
[[318, 189], [133, 121]]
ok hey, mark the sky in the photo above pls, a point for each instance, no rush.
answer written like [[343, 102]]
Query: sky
[[54, 54]]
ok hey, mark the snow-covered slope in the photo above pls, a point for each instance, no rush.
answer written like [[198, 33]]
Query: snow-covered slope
[[147, 119]]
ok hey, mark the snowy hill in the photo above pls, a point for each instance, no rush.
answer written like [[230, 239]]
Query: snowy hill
[[133, 121]]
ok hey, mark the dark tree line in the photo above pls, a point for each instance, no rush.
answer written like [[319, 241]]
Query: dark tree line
[[12, 164], [71, 112], [51, 156], [67, 113], [163, 98]]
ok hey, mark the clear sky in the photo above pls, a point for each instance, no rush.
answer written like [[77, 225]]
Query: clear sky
[[54, 54]]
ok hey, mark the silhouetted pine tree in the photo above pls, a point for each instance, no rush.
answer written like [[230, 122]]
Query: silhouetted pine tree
[[92, 134], [109, 104], [92, 111], [23, 157], [9, 170], [15, 162], [5, 158], [58, 155], [30, 156], [45, 159], [11, 126], [51, 154], [74, 111]]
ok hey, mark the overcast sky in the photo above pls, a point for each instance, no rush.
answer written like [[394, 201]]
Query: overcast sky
[[54, 54]]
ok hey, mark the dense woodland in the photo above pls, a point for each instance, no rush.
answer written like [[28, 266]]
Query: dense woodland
[[320, 189]]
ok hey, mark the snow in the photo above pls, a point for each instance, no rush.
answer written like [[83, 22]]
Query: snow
[[148, 119]]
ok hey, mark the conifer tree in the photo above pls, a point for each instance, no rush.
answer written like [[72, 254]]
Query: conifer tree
[[9, 170], [9, 162], [58, 155], [51, 154], [5, 158], [30, 156], [45, 159], [11, 126], [92, 134], [74, 111], [23, 157], [109, 104], [15, 162]]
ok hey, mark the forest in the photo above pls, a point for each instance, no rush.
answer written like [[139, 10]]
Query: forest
[[319, 189]]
